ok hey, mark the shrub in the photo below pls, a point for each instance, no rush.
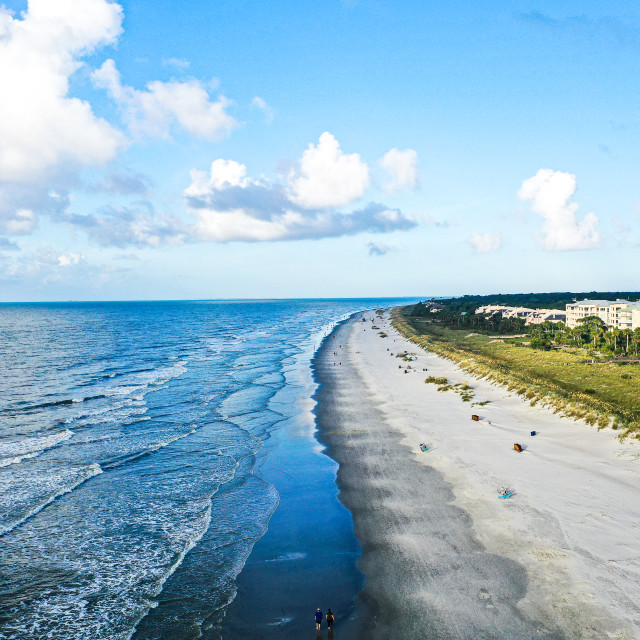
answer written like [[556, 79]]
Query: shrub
[[434, 380]]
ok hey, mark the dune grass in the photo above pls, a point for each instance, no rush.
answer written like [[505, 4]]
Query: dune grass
[[601, 393]]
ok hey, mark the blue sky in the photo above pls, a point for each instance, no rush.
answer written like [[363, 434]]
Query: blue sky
[[338, 148]]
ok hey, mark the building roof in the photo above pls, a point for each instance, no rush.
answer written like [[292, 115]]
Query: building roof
[[595, 303]]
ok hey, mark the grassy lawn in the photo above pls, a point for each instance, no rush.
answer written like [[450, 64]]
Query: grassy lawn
[[602, 393]]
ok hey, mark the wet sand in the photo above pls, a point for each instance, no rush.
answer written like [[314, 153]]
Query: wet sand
[[442, 556]]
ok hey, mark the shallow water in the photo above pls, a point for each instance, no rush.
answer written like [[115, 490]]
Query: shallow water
[[129, 435]]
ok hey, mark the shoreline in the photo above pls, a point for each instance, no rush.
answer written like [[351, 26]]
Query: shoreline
[[306, 556], [442, 557]]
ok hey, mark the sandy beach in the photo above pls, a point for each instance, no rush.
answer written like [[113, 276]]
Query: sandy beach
[[442, 555]]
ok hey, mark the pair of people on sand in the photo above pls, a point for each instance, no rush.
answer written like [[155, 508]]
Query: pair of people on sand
[[329, 617]]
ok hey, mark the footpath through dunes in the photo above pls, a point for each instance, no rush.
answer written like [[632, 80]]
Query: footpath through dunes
[[443, 558]]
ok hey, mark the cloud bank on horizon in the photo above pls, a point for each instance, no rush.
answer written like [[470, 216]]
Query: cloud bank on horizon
[[84, 141]]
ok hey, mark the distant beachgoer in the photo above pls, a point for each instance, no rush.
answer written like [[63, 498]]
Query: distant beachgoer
[[318, 618], [503, 491], [330, 618]]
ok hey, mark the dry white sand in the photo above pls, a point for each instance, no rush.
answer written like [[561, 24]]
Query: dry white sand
[[574, 521]]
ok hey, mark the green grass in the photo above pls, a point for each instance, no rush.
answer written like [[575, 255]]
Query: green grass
[[597, 392]]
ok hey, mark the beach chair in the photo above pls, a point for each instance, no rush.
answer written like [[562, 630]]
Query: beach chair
[[517, 447]]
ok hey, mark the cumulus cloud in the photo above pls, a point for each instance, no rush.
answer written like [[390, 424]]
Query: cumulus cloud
[[21, 204], [41, 127], [241, 225], [327, 177], [47, 136], [161, 104], [550, 193], [402, 167], [485, 242], [229, 206]]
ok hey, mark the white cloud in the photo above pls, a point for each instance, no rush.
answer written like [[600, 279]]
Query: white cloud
[[223, 174], [154, 110], [70, 259], [259, 103], [240, 225], [485, 242], [327, 177], [139, 225], [45, 265], [22, 222], [402, 167], [378, 248], [46, 136], [41, 127], [550, 193], [229, 206], [178, 63]]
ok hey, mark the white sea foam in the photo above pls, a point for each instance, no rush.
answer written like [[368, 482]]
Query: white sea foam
[[287, 557], [15, 449], [25, 494]]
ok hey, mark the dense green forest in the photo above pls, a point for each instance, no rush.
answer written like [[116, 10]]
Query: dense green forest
[[555, 300]]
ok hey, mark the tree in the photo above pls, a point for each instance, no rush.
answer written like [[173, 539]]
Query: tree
[[635, 339]]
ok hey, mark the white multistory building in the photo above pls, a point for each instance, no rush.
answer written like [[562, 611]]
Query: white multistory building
[[618, 314]]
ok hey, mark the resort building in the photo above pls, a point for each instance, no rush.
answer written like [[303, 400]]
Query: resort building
[[517, 312], [546, 315], [492, 309], [618, 314], [531, 316]]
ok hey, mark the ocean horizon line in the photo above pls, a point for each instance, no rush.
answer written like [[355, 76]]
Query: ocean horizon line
[[210, 300]]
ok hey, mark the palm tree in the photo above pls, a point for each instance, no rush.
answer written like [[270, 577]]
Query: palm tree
[[636, 339], [616, 334], [627, 333]]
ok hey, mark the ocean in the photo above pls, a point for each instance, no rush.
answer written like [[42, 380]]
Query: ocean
[[146, 448]]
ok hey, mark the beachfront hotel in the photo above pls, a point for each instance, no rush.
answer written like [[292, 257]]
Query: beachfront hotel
[[620, 314]]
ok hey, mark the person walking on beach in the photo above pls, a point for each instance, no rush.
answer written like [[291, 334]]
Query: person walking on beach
[[330, 619], [318, 618]]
